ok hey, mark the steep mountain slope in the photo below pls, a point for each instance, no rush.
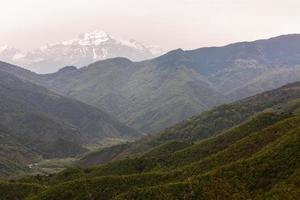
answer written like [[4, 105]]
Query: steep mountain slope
[[37, 123], [236, 67], [79, 51], [93, 123], [255, 159], [14, 157], [140, 95], [23, 118]]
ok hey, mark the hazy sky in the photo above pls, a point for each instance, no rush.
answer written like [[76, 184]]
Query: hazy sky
[[27, 24]]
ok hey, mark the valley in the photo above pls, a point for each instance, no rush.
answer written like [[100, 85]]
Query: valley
[[150, 100], [210, 123], [256, 156]]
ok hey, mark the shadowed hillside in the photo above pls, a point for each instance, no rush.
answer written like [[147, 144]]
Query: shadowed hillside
[[37, 123]]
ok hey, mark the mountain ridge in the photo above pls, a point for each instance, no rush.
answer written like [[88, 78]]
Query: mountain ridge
[[156, 93]]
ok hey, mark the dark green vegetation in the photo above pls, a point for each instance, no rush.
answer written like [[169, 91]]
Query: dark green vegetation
[[157, 93], [204, 125], [36, 124], [254, 154], [12, 190]]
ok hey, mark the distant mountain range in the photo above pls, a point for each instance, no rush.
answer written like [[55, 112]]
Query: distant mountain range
[[154, 94], [79, 51]]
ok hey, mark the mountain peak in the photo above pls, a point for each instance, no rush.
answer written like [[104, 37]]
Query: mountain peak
[[93, 38], [80, 51], [67, 69], [10, 53], [96, 38], [94, 34], [171, 56], [3, 48]]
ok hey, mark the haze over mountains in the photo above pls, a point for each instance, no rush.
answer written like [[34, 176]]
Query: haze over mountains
[[213, 116], [80, 51], [248, 148], [154, 94]]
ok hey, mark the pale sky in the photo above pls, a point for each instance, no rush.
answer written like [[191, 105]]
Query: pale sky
[[188, 24]]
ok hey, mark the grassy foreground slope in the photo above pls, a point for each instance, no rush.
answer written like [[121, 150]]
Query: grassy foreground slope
[[205, 125], [252, 167], [244, 179], [258, 158], [17, 191]]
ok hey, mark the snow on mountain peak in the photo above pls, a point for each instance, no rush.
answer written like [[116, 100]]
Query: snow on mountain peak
[[8, 53], [3, 48], [96, 38], [6, 48], [79, 51], [130, 43], [97, 34]]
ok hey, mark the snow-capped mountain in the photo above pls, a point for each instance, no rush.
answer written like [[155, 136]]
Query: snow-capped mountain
[[80, 51], [10, 53]]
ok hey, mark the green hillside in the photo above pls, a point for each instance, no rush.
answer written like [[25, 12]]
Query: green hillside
[[14, 190], [258, 158], [207, 124]]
